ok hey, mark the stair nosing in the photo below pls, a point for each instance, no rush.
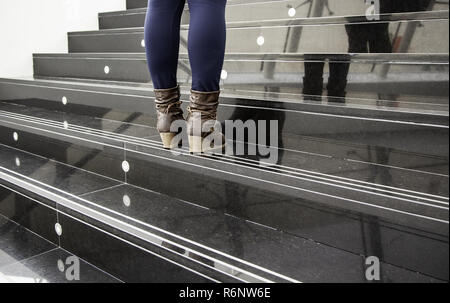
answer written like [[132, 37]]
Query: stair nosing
[[330, 20], [369, 205]]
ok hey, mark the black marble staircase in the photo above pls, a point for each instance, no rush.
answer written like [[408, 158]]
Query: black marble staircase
[[359, 174]]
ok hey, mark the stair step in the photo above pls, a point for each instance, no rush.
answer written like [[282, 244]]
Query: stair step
[[119, 96], [335, 7], [346, 178], [243, 73], [245, 189], [27, 257], [136, 4], [271, 10], [85, 241], [274, 36], [369, 127], [224, 244]]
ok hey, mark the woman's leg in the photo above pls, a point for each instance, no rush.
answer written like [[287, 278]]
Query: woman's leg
[[162, 41], [207, 38]]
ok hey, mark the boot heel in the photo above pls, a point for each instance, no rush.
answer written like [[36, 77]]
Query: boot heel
[[195, 144], [167, 140]]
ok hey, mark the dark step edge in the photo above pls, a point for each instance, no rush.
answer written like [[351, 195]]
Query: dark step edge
[[55, 96], [340, 20], [69, 204], [225, 159], [419, 221], [384, 58], [229, 98]]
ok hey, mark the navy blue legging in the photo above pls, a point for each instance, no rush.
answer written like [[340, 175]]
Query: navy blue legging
[[206, 42]]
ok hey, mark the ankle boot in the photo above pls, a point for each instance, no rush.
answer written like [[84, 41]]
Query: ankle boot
[[168, 109], [201, 121]]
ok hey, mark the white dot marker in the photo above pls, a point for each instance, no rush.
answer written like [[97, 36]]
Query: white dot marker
[[58, 229], [126, 201], [61, 266], [16, 136], [66, 125], [292, 12], [64, 100], [125, 166], [107, 69], [260, 41], [143, 43], [224, 75], [17, 161]]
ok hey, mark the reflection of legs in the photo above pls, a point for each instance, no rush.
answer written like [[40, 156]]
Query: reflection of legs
[[357, 38], [313, 80], [379, 40], [162, 40], [337, 82]]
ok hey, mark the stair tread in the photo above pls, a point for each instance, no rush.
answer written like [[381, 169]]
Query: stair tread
[[332, 20], [226, 239], [341, 183], [405, 88], [365, 177], [392, 58], [141, 131], [432, 107]]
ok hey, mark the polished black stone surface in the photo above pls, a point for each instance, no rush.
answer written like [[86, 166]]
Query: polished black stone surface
[[362, 166], [427, 107], [56, 175], [290, 36], [126, 262], [54, 266], [294, 257], [419, 81], [374, 164], [37, 217], [359, 231], [306, 246], [269, 10], [89, 155], [18, 243]]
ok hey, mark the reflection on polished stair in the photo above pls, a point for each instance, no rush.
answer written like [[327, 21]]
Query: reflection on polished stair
[[28, 258], [362, 167]]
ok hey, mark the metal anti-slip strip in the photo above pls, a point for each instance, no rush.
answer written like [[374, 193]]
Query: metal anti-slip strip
[[283, 97], [400, 59], [317, 21], [287, 171], [114, 137], [304, 190], [60, 197]]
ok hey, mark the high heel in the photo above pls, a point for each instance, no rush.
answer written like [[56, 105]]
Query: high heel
[[203, 111], [167, 139], [168, 109]]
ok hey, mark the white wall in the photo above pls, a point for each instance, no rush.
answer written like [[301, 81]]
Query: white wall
[[41, 26]]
